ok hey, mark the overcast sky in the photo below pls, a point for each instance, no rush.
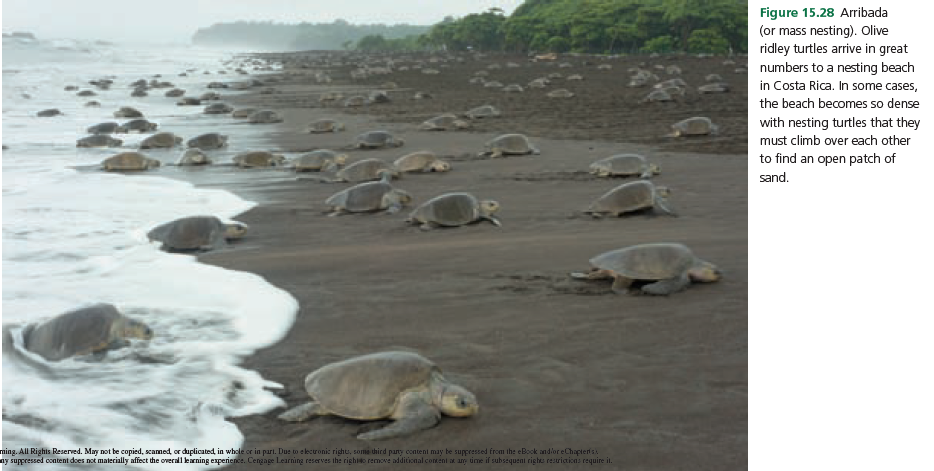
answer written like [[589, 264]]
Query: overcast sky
[[176, 20]]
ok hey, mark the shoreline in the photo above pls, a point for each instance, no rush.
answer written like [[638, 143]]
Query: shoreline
[[652, 383]]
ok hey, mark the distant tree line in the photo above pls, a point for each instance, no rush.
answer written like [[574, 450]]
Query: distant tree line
[[269, 35], [591, 26]]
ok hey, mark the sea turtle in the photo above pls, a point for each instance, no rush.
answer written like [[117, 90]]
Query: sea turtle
[[206, 96], [560, 93], [139, 92], [241, 113], [139, 125], [356, 100], [622, 165], [631, 197], [126, 161], [208, 141], [89, 330], [376, 139], [403, 386], [264, 117], [369, 196], [99, 140], [379, 96], [218, 108], [325, 125], [93, 104], [509, 144], [697, 126], [421, 161], [321, 159], [513, 88], [194, 156], [104, 128], [445, 122], [86, 93], [160, 140], [670, 267], [128, 112], [657, 95], [175, 93], [49, 113], [188, 101], [492, 84], [717, 87], [258, 158], [196, 233], [364, 170], [453, 209], [480, 112]]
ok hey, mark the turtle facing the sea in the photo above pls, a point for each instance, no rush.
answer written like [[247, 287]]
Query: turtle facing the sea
[[369, 197], [452, 210], [402, 386]]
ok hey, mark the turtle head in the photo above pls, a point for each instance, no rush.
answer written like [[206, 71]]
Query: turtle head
[[404, 197], [663, 191], [398, 142], [235, 231], [132, 328], [704, 272], [458, 402], [488, 207], [654, 169], [340, 159], [440, 166], [385, 175], [461, 124]]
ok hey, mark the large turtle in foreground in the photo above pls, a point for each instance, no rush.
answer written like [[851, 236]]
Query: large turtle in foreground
[[697, 126], [453, 209], [88, 330], [369, 197], [402, 386], [509, 144], [668, 267], [623, 165], [196, 233], [631, 197], [126, 161]]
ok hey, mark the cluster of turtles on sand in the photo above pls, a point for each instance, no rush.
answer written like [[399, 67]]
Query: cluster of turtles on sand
[[402, 386]]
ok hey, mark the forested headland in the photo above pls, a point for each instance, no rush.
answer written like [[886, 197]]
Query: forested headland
[[587, 26]]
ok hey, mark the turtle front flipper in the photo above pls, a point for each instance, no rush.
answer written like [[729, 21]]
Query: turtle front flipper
[[666, 287], [621, 284], [593, 274], [416, 415], [303, 412], [493, 220], [660, 204]]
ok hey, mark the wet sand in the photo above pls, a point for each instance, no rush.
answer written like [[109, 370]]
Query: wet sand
[[651, 383]]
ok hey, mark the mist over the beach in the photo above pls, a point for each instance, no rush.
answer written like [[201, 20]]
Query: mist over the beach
[[175, 21]]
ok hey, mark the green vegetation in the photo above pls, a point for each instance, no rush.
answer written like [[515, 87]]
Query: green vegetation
[[592, 26]]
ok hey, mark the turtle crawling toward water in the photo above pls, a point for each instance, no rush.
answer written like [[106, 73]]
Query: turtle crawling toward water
[[208, 141], [161, 140], [325, 125], [697, 126], [631, 197], [405, 387], [669, 267], [480, 112], [196, 233], [128, 161], [99, 140], [319, 160], [88, 330], [452, 210], [622, 165], [509, 144], [194, 156], [369, 197], [444, 122]]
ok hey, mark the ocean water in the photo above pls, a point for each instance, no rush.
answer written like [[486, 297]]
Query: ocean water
[[73, 237]]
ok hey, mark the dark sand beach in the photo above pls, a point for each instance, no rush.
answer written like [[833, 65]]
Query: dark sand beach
[[650, 383]]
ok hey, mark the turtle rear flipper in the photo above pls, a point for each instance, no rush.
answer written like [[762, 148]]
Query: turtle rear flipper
[[303, 412], [669, 286], [416, 415]]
